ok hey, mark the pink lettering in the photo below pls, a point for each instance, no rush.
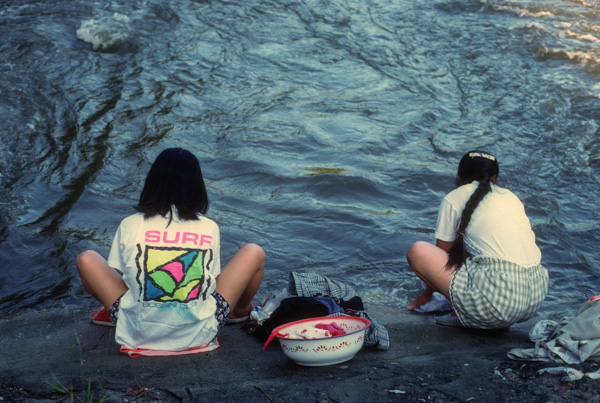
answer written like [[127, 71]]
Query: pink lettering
[[189, 237], [152, 236], [205, 238], [185, 238], [166, 240]]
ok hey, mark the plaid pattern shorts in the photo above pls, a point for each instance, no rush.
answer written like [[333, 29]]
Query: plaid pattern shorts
[[491, 293]]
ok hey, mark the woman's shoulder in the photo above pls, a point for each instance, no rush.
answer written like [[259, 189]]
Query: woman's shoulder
[[132, 219], [465, 191], [131, 224], [207, 221], [461, 192], [497, 190]]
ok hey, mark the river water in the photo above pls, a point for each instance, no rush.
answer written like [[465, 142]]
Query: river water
[[328, 131]]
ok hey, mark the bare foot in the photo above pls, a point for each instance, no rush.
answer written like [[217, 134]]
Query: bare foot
[[240, 313], [421, 299]]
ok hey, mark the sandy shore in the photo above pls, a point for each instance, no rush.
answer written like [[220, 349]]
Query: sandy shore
[[425, 362]]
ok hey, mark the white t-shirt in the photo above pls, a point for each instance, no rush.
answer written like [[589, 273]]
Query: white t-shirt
[[170, 271], [498, 228]]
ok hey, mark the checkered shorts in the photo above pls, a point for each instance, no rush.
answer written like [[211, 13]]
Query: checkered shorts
[[490, 293]]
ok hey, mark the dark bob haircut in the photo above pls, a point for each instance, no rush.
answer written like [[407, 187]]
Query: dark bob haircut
[[175, 179]]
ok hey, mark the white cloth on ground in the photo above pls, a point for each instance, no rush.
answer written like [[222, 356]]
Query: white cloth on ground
[[437, 303], [572, 341]]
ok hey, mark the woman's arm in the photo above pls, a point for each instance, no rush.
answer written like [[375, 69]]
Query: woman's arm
[[444, 244]]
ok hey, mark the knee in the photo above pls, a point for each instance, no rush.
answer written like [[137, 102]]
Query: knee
[[254, 251], [85, 259], [415, 251]]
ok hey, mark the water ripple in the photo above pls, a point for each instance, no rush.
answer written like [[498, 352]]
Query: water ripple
[[328, 131]]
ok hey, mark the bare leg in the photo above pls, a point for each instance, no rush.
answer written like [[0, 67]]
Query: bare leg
[[99, 279], [240, 278], [428, 262]]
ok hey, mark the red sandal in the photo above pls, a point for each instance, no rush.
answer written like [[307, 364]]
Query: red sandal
[[100, 317]]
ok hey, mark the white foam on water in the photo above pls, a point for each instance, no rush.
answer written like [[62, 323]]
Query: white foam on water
[[583, 37], [591, 4], [568, 32], [522, 11], [106, 33]]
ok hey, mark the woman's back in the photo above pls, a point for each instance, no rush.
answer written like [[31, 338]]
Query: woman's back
[[171, 273], [499, 227]]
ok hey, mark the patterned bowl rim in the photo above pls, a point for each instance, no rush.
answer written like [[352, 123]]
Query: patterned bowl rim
[[363, 321]]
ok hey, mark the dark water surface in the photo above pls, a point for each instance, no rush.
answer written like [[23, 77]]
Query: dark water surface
[[328, 131]]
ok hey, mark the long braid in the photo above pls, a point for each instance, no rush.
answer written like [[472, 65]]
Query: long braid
[[456, 255]]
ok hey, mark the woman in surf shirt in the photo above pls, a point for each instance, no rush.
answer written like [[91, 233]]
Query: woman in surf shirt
[[163, 279]]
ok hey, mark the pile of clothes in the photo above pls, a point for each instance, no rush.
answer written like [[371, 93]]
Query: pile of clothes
[[311, 295], [571, 341], [568, 342]]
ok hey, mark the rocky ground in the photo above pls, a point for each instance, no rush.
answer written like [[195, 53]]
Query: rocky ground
[[60, 355]]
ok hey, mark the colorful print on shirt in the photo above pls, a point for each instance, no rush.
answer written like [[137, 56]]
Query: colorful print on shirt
[[172, 274]]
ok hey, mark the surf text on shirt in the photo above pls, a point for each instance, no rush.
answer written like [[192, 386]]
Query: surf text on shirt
[[152, 236]]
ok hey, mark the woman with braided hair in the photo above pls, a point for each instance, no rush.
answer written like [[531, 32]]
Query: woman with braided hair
[[485, 260]]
